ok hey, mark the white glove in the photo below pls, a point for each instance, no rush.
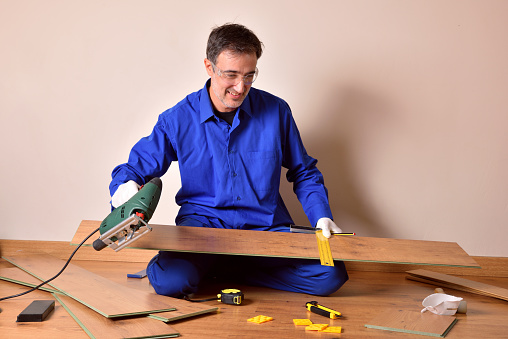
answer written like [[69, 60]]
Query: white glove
[[124, 192], [328, 226]]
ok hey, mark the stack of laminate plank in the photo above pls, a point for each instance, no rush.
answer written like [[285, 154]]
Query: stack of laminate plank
[[457, 283], [103, 308]]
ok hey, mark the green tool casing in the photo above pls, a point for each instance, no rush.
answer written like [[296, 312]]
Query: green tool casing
[[142, 203]]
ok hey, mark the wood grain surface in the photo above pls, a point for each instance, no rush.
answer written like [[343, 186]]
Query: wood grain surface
[[63, 249], [100, 327], [183, 312], [98, 293], [414, 322], [292, 245], [17, 276], [361, 299], [58, 324], [490, 266]]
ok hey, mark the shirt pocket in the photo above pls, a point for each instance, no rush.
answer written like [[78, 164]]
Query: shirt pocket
[[263, 170]]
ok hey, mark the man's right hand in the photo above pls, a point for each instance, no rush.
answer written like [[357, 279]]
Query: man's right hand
[[124, 193]]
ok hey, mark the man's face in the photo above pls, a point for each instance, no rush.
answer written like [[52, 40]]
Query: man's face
[[225, 95]]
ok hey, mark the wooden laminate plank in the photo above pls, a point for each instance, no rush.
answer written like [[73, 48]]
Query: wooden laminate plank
[[490, 266], [184, 309], [183, 312], [466, 284], [413, 322], [97, 326], [445, 285], [293, 245], [17, 276], [62, 250], [100, 294]]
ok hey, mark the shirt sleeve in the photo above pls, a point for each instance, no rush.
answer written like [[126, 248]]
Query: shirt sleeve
[[308, 182], [150, 157]]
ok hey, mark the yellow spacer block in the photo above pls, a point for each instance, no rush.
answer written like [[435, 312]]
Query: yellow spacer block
[[316, 327], [301, 322], [332, 329], [260, 319]]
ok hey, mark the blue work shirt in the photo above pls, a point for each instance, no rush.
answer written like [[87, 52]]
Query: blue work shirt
[[231, 173]]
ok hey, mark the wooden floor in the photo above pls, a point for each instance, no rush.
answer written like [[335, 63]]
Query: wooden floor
[[364, 296]]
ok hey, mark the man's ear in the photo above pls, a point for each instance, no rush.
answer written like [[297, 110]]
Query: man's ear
[[209, 67]]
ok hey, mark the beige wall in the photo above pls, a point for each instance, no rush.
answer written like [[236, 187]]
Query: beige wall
[[403, 103]]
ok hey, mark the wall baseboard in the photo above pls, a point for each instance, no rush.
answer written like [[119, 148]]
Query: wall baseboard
[[491, 266]]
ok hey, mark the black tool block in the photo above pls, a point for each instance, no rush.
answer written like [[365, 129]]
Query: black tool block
[[38, 310]]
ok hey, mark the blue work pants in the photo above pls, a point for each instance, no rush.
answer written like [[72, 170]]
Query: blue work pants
[[177, 274]]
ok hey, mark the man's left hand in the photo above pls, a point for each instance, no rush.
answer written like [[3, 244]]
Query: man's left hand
[[328, 226]]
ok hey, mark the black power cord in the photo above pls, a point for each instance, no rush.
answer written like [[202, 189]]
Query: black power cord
[[231, 296], [51, 279], [186, 297]]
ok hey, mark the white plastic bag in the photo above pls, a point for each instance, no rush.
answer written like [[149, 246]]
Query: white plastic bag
[[442, 304]]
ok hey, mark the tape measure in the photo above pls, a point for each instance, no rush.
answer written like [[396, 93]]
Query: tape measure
[[230, 296], [325, 253]]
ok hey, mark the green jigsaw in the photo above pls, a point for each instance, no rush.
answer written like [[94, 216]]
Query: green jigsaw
[[129, 222]]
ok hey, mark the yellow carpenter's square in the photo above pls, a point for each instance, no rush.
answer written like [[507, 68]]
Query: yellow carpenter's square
[[325, 254]]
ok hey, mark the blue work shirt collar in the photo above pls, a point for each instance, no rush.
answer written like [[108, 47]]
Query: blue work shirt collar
[[206, 107]]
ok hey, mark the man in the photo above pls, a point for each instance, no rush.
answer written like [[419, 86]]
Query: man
[[230, 141]]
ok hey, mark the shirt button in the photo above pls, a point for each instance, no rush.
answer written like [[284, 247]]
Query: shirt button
[[231, 151], [238, 198], [235, 174]]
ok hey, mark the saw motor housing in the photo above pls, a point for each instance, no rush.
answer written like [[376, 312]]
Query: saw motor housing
[[129, 221]]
